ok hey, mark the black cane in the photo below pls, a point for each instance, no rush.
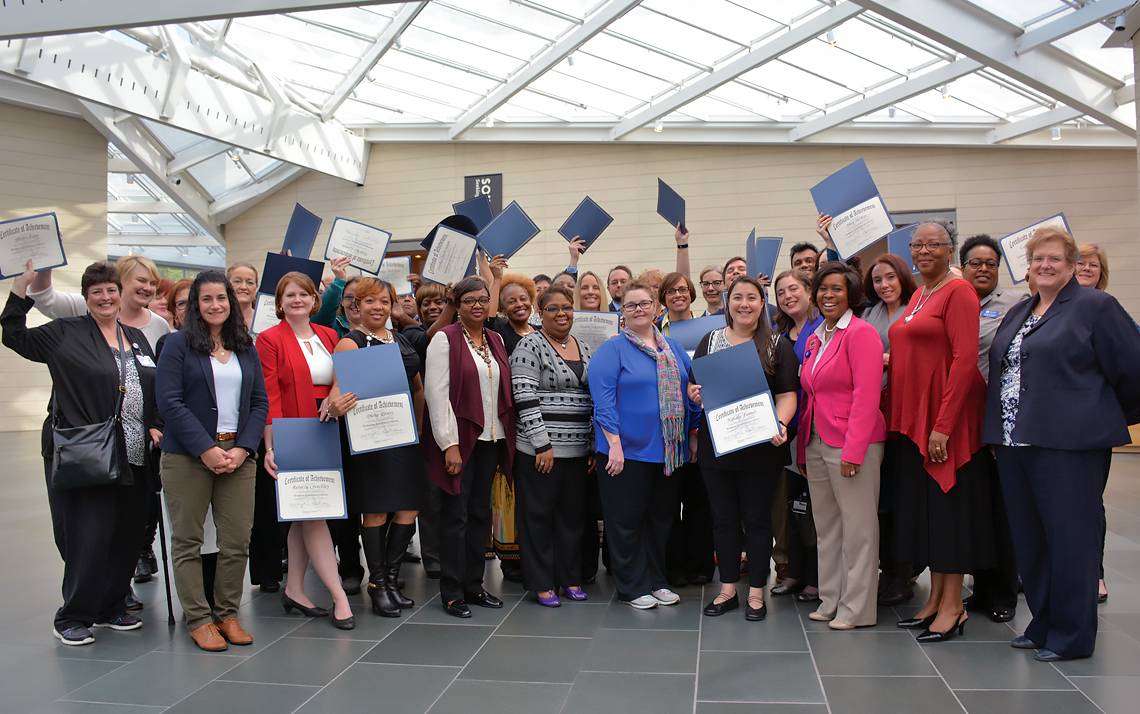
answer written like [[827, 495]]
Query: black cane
[[165, 567]]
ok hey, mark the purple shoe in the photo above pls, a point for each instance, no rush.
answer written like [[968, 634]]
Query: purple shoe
[[575, 593], [550, 600]]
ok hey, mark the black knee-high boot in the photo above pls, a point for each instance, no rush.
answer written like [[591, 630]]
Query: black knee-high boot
[[399, 535], [376, 555]]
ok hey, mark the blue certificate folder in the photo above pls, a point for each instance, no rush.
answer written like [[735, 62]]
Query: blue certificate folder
[[670, 205], [845, 189], [898, 243], [302, 232], [729, 376], [376, 371], [308, 445], [588, 222], [761, 254], [276, 265], [478, 209], [507, 232], [690, 332]]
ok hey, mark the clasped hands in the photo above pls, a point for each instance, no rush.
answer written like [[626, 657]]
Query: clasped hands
[[224, 461]]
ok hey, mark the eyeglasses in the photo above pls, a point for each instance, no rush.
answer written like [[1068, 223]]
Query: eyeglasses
[[979, 262], [1050, 259], [557, 309], [679, 290], [1088, 264], [706, 284], [632, 307], [181, 304], [931, 247], [468, 302]]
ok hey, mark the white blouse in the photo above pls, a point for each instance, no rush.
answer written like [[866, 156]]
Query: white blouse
[[227, 387], [319, 359], [437, 393]]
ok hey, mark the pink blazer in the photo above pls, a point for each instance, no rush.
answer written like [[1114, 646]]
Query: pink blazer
[[842, 396]]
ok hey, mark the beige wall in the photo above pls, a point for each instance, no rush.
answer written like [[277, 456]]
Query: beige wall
[[728, 189], [49, 163]]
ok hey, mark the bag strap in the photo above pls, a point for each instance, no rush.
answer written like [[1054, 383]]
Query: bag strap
[[122, 369]]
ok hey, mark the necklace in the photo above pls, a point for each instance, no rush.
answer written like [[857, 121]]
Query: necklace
[[831, 330], [369, 335], [924, 297], [564, 344], [483, 350]]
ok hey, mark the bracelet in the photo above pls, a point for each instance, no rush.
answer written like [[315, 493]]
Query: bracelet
[[682, 246], [269, 449]]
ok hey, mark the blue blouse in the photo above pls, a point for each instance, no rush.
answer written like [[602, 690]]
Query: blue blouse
[[623, 384]]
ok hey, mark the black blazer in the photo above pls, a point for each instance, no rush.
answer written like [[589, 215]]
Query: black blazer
[[1080, 373], [188, 403], [84, 371]]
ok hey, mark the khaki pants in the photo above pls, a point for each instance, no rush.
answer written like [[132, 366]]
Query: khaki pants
[[190, 488], [847, 531]]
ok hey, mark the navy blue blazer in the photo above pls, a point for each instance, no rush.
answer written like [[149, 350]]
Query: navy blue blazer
[[188, 403], [1080, 384]]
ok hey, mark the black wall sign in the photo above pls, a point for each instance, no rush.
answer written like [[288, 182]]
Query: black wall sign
[[489, 185]]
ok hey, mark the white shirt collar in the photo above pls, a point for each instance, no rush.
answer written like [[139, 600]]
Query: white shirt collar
[[844, 321]]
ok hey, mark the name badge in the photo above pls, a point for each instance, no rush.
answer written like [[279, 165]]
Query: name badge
[[990, 313], [145, 361], [800, 507]]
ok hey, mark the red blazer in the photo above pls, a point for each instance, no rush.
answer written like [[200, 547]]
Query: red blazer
[[841, 397], [288, 382]]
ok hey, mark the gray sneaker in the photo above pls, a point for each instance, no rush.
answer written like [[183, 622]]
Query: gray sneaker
[[645, 602], [122, 623], [74, 636], [665, 596]]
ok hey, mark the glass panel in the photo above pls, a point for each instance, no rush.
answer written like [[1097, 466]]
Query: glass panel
[[1086, 45], [641, 59], [589, 93], [838, 64], [628, 81], [659, 31], [793, 82], [472, 29], [515, 15], [435, 44], [733, 20], [869, 41], [933, 107]]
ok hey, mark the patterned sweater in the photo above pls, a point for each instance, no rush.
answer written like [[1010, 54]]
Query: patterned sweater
[[554, 406]]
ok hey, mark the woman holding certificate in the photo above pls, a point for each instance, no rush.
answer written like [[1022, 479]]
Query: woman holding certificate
[[840, 448], [942, 506], [642, 421], [389, 480], [1063, 389], [470, 433], [296, 358], [741, 483]]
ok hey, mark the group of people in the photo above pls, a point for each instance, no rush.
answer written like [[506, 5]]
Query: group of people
[[926, 420]]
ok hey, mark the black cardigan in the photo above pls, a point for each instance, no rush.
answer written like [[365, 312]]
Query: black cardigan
[[84, 371]]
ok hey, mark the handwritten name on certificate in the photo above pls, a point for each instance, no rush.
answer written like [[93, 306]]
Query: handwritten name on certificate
[[1013, 245], [310, 495], [742, 424], [381, 423], [264, 314], [594, 328], [35, 238], [363, 245], [856, 228], [449, 256], [394, 271]]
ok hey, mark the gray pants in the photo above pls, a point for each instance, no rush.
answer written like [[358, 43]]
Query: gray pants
[[190, 488]]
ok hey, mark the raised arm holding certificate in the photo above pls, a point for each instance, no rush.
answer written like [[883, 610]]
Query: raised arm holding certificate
[[310, 476], [275, 268], [858, 215], [507, 232], [450, 254], [363, 245], [737, 401], [1013, 245], [594, 328], [35, 238], [394, 271], [383, 417], [588, 222]]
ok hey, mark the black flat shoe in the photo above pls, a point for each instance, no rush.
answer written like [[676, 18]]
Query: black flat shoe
[[457, 608], [807, 596], [289, 604], [1000, 615], [914, 623], [1021, 642], [483, 599], [716, 609], [269, 587], [931, 637], [348, 623], [755, 614]]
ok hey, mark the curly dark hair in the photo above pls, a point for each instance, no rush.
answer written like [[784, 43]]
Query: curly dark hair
[[234, 335]]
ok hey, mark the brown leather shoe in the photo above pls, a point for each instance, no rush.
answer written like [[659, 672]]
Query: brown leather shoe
[[208, 638], [234, 633]]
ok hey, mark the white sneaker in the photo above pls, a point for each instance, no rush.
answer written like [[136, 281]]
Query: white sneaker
[[665, 596], [645, 602]]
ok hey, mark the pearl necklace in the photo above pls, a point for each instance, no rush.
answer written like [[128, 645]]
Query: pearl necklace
[[369, 336]]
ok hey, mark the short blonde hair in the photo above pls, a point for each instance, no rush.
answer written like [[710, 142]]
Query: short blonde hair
[[1088, 249], [127, 265], [1048, 235], [650, 276]]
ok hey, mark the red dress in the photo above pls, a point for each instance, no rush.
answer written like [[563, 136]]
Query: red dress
[[934, 380]]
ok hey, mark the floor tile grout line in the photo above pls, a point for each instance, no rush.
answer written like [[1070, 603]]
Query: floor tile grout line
[[615, 671], [159, 707], [939, 672], [547, 637], [814, 663], [1029, 689], [1074, 684], [266, 684], [697, 665]]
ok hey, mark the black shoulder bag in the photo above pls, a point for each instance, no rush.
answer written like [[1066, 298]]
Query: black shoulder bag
[[90, 455]]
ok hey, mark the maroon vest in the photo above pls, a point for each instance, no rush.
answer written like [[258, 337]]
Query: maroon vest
[[467, 403]]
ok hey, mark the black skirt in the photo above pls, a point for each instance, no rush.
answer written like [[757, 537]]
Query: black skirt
[[951, 532], [384, 481]]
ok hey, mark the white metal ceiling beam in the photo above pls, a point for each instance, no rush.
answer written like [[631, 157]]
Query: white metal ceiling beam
[[101, 70], [538, 66], [33, 96], [145, 240], [143, 207], [58, 17], [752, 59], [405, 17], [129, 137], [231, 205], [195, 154], [1037, 122], [898, 93], [987, 39], [1073, 22], [121, 165]]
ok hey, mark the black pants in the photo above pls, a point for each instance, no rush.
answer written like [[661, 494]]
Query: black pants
[[429, 528], [1054, 515], [465, 521], [346, 539], [996, 588], [689, 552], [98, 532], [638, 508], [803, 558], [741, 497], [1103, 517], [550, 521], [267, 539], [591, 514], [151, 526]]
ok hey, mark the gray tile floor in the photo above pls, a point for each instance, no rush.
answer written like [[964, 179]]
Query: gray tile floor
[[599, 656]]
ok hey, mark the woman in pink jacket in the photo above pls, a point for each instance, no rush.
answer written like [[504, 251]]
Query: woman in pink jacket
[[841, 443]]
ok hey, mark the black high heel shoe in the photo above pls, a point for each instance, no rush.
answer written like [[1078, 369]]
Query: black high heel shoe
[[348, 623], [914, 623], [930, 636], [290, 604]]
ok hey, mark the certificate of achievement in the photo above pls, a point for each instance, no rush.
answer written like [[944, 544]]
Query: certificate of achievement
[[35, 238], [450, 255], [1013, 245], [588, 221], [314, 495], [741, 424], [594, 328], [383, 417], [264, 313], [381, 423], [762, 254], [394, 271], [363, 245], [858, 215], [898, 243]]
